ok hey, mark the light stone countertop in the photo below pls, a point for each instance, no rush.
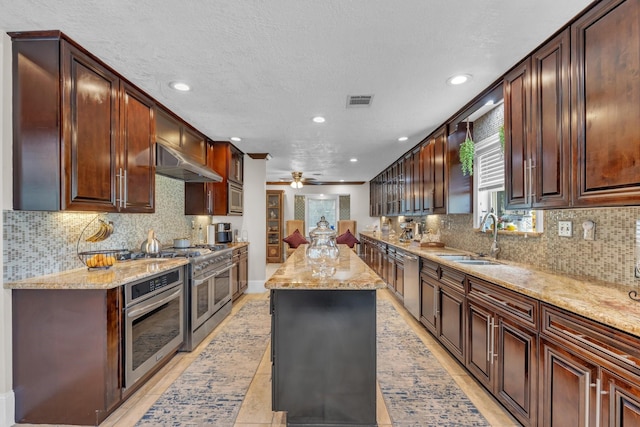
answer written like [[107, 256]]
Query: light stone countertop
[[604, 302], [82, 278], [351, 274]]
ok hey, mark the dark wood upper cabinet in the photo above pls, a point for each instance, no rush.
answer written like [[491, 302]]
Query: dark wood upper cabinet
[[606, 99], [218, 198], [459, 188], [82, 136], [137, 158], [537, 128], [172, 131]]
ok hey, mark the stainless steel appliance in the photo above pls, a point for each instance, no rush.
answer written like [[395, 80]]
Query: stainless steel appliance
[[153, 322], [412, 284], [224, 233], [208, 294]]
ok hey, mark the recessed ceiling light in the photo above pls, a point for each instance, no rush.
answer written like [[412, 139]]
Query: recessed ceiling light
[[459, 79], [353, 160], [318, 119], [180, 86], [403, 138], [489, 102], [235, 139], [342, 180]]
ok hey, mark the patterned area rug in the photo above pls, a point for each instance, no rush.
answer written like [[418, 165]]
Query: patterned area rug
[[417, 390], [211, 390]]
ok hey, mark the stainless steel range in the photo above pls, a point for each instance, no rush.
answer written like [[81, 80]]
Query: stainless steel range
[[208, 294], [208, 288]]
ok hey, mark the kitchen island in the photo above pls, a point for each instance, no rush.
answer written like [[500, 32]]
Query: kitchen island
[[323, 342]]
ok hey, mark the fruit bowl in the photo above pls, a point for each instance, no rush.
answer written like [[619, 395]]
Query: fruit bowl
[[103, 259]]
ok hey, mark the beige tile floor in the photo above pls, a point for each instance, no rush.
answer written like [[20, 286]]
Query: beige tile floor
[[256, 407]]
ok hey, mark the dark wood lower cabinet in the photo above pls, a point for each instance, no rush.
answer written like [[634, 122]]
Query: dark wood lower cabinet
[[620, 400], [568, 384], [67, 356]]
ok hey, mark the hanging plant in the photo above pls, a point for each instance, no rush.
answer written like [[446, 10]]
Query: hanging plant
[[466, 153], [501, 136]]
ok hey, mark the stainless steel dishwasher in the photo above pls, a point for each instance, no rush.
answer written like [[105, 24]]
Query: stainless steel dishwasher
[[412, 284]]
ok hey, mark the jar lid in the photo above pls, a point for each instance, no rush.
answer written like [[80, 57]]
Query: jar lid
[[322, 229]]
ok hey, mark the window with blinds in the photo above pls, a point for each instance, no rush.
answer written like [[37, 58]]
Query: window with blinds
[[489, 164]]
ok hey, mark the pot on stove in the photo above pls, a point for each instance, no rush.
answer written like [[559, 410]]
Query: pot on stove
[[151, 246], [181, 243]]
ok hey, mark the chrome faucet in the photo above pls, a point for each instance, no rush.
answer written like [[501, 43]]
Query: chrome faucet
[[495, 249]]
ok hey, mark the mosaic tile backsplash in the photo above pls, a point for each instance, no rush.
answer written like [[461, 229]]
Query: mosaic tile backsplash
[[611, 257], [38, 243]]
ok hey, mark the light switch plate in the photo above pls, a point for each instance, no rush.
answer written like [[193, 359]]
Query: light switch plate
[[565, 228]]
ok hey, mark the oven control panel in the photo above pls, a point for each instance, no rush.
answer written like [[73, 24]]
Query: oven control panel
[[148, 287]]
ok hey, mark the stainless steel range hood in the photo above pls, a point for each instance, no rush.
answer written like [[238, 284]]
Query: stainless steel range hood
[[174, 164]]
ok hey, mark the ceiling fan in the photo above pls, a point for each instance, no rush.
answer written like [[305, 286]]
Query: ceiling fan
[[297, 180]]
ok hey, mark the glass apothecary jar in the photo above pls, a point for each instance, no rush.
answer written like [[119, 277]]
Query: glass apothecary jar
[[323, 252]]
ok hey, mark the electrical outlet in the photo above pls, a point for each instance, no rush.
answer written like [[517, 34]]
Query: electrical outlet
[[565, 228]]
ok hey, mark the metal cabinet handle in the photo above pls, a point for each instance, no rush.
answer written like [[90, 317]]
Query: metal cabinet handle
[[124, 194], [410, 257], [147, 309], [579, 337]]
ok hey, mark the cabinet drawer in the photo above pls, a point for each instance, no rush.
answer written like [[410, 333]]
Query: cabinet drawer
[[615, 346], [453, 278], [511, 304], [430, 268]]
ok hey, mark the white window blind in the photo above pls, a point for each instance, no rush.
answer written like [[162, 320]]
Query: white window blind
[[489, 164]]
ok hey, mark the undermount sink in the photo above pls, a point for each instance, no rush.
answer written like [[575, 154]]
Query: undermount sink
[[468, 259], [476, 262], [456, 257]]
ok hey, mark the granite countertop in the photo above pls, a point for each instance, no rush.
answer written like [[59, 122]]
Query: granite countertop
[[83, 278], [604, 302], [351, 274]]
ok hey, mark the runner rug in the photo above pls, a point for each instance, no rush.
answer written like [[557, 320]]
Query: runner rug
[[416, 389], [211, 390]]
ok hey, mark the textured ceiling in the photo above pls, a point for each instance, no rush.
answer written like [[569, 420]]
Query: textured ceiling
[[261, 70]]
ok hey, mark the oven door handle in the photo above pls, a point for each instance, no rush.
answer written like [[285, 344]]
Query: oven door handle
[[215, 273], [147, 309]]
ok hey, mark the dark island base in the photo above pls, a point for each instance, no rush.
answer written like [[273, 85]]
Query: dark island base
[[324, 356]]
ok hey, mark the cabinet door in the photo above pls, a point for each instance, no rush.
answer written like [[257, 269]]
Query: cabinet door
[[236, 165], [198, 198], [243, 274], [440, 171], [450, 319], [568, 388], [480, 333], [428, 302], [193, 144], [399, 279], [516, 377], [516, 99], [550, 123], [167, 129], [606, 100], [136, 172], [620, 401], [427, 153], [90, 103], [416, 181]]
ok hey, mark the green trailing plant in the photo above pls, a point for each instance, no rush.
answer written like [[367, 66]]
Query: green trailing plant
[[501, 136], [466, 153]]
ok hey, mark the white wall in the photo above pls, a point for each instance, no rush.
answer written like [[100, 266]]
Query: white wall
[[359, 200], [7, 405], [255, 208]]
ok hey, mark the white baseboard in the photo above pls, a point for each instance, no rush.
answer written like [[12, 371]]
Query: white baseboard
[[255, 287], [7, 409]]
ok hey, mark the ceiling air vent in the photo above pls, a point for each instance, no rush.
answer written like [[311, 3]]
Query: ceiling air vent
[[359, 100]]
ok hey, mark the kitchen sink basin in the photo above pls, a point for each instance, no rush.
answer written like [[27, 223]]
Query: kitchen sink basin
[[456, 257], [468, 259], [476, 261]]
